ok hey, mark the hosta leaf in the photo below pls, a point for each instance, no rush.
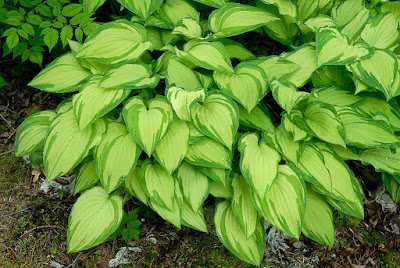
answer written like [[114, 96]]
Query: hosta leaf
[[243, 207], [318, 220], [276, 67], [352, 29], [220, 190], [258, 163], [194, 134], [285, 7], [298, 133], [284, 204], [393, 7], [392, 184], [305, 56], [320, 21], [286, 94], [147, 123], [194, 185], [181, 100], [283, 30], [290, 149], [378, 71], [86, 177], [173, 216], [142, 8], [234, 238], [346, 11], [331, 75], [32, 132], [172, 11], [217, 117], [320, 120], [158, 184], [66, 145], [116, 156], [371, 106], [306, 8], [212, 3], [192, 219], [115, 43], [381, 31], [130, 76], [94, 217], [234, 19], [334, 49], [64, 74], [247, 85], [179, 75], [94, 101], [341, 176], [356, 208], [188, 27], [382, 159], [365, 132], [209, 153], [208, 55], [172, 148], [219, 175], [336, 96], [237, 50], [133, 184], [259, 118], [92, 5]]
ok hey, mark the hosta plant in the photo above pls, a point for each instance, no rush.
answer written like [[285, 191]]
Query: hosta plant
[[161, 112]]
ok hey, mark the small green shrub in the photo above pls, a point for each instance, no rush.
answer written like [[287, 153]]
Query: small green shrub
[[28, 26], [162, 113]]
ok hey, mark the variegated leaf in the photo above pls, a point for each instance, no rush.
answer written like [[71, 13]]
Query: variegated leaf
[[94, 217], [286, 94], [247, 85], [130, 76], [318, 219], [276, 67], [181, 100], [64, 74], [86, 177], [209, 153], [67, 145], [134, 186], [208, 55], [172, 11], [382, 159], [181, 76], [116, 156], [378, 71], [172, 148], [234, 238], [217, 117], [284, 204], [234, 19], [194, 185], [258, 163], [31, 134], [193, 219], [243, 207], [259, 118], [147, 122], [334, 49], [392, 184], [188, 27], [158, 184], [116, 42], [94, 101], [382, 31], [219, 175], [143, 8]]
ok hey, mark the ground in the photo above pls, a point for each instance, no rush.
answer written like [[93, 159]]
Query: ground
[[33, 223]]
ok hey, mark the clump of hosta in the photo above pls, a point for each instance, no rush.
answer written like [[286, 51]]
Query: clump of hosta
[[205, 129]]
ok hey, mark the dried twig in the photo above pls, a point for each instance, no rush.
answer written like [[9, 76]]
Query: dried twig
[[7, 152]]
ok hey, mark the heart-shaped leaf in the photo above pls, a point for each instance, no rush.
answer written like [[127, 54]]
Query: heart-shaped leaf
[[181, 100], [247, 85], [333, 48], [217, 117], [147, 122]]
